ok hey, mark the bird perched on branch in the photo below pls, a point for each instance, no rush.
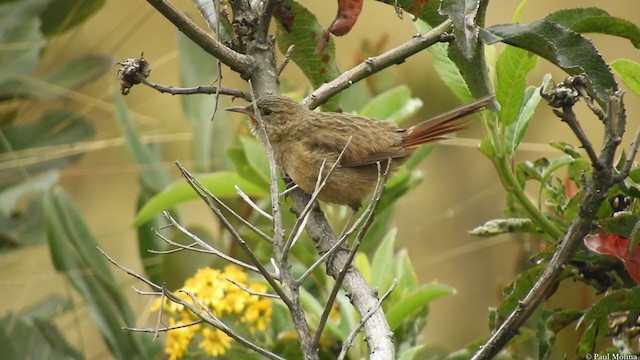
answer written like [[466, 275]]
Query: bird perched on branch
[[303, 140]]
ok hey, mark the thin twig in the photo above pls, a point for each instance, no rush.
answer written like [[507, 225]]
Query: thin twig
[[206, 317], [211, 249], [195, 90], [240, 63], [367, 216], [278, 229], [216, 100], [251, 292], [374, 64], [334, 293], [320, 184], [253, 205], [349, 341], [288, 190], [595, 192], [265, 19], [160, 311], [568, 116], [285, 61], [163, 329], [219, 203], [234, 233]]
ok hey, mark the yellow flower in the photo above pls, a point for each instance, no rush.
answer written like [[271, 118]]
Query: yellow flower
[[178, 339], [214, 342]]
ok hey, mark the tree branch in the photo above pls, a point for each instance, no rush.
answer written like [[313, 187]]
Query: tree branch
[[208, 90], [595, 192], [237, 62], [376, 63]]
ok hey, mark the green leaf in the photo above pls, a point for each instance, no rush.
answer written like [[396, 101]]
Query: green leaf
[[149, 240], [244, 169], [567, 49], [426, 11], [10, 195], [415, 302], [487, 148], [52, 129], [518, 289], [549, 323], [587, 344], [21, 49], [407, 277], [463, 15], [16, 13], [473, 64], [595, 20], [446, 68], [256, 157], [613, 301], [382, 263], [361, 262], [516, 130], [212, 136], [221, 184], [74, 253], [629, 73], [503, 226], [54, 85], [62, 15], [298, 26], [22, 337], [153, 175], [411, 353], [512, 67], [395, 104]]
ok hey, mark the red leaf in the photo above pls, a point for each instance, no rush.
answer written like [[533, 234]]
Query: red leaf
[[348, 12], [618, 246]]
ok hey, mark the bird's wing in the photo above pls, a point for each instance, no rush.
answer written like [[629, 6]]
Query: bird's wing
[[367, 141]]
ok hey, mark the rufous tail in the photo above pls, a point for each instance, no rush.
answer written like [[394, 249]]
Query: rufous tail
[[439, 126]]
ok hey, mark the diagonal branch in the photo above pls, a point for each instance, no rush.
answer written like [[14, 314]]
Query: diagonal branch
[[237, 62], [374, 64], [595, 192]]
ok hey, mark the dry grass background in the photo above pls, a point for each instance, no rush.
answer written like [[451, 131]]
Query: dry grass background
[[459, 192]]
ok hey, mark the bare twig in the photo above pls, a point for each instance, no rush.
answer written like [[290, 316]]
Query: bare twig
[[236, 61], [253, 205], [265, 19], [568, 116], [349, 341], [294, 305], [206, 316], [374, 64], [209, 249], [251, 292], [162, 329], [334, 293], [234, 233], [595, 192], [285, 61], [208, 90], [321, 183], [367, 216]]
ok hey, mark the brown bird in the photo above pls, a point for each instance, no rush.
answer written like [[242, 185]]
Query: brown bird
[[303, 139]]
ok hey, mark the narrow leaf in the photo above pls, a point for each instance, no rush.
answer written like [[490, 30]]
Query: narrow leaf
[[382, 263], [395, 104], [512, 67], [414, 302], [220, 184], [152, 174]]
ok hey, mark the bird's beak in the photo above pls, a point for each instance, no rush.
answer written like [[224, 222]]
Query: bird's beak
[[247, 110]]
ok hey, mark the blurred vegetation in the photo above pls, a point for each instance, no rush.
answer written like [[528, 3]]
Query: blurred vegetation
[[34, 209]]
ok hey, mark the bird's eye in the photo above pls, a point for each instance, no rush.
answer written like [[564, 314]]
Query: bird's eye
[[266, 112]]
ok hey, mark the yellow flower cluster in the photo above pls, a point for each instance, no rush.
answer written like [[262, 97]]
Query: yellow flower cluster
[[231, 304]]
